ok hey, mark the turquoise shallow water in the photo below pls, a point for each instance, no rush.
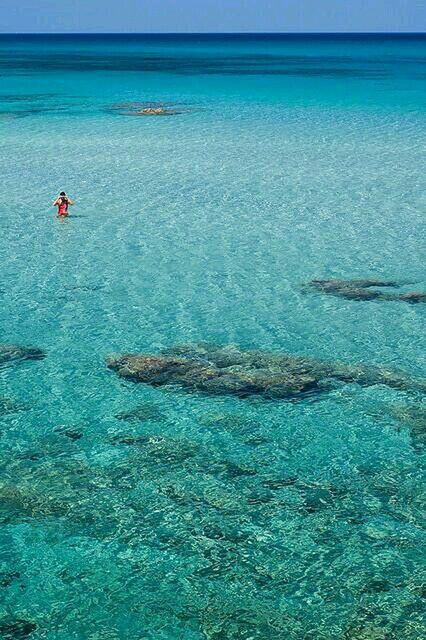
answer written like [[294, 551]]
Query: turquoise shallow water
[[293, 159]]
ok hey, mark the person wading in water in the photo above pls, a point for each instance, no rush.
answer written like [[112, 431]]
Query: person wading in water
[[63, 203]]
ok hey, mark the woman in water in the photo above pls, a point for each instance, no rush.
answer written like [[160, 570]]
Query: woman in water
[[63, 202]]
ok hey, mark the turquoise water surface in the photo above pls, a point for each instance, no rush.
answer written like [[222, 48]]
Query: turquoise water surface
[[150, 513]]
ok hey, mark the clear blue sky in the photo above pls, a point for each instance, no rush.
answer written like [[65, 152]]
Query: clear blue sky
[[211, 15]]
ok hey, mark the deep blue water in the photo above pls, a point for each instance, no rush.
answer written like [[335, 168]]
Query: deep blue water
[[210, 517]]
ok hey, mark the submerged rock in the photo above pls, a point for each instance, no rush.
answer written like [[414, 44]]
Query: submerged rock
[[10, 406], [413, 297], [13, 352], [20, 503], [158, 449], [228, 370], [231, 470], [157, 111], [256, 441], [195, 375], [414, 418], [69, 432], [364, 289], [364, 283], [143, 413], [249, 430], [7, 578], [367, 633], [16, 629], [147, 109], [129, 440], [279, 483]]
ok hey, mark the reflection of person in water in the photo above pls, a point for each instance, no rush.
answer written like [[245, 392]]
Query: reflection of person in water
[[63, 203]]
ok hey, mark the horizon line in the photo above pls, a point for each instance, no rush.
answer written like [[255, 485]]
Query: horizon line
[[204, 33]]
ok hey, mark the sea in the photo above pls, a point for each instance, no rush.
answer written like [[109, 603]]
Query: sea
[[131, 511]]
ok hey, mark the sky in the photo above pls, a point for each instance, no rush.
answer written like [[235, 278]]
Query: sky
[[211, 15]]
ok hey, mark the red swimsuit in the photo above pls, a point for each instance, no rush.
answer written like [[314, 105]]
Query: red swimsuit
[[62, 207]]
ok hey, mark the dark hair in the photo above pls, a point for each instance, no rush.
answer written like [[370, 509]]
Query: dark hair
[[62, 193]]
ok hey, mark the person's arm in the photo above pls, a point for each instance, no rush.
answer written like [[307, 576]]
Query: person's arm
[[55, 204], [70, 202]]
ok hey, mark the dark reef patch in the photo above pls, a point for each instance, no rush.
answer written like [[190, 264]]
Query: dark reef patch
[[414, 418], [129, 440], [8, 406], [275, 484], [13, 353], [327, 66], [367, 633], [25, 97], [21, 105], [148, 109], [69, 432], [363, 289], [143, 413], [16, 629], [7, 578], [219, 370], [30, 111], [84, 287], [157, 449]]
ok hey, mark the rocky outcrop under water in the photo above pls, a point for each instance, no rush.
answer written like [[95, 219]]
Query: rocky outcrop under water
[[13, 352], [148, 109], [8, 406], [143, 413], [157, 111], [364, 289], [229, 370], [413, 417], [248, 527], [16, 629]]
